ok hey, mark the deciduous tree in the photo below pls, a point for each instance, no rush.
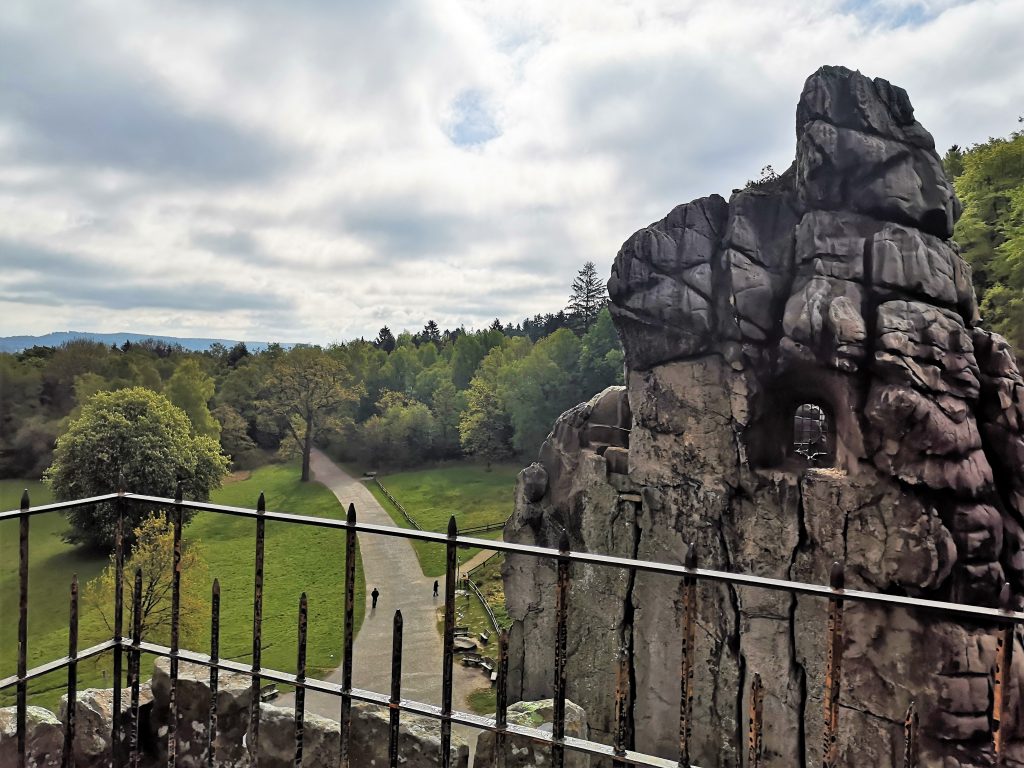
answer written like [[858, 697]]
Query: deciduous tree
[[153, 554], [307, 393], [136, 440]]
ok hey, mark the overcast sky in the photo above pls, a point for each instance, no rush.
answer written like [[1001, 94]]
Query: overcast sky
[[309, 170]]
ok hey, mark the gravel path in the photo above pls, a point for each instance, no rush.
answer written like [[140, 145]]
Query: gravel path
[[390, 565]]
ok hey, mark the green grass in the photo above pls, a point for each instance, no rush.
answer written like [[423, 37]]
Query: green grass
[[298, 558], [474, 495], [488, 580], [483, 701]]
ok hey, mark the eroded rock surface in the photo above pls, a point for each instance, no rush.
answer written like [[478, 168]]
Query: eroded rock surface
[[834, 285], [521, 752]]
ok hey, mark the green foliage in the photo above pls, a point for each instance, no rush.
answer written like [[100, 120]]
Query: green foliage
[[191, 389], [307, 395], [991, 230], [588, 297], [132, 439]]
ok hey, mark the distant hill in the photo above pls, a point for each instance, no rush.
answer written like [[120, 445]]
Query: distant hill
[[18, 343]]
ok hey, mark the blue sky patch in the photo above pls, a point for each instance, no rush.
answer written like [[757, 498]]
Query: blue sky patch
[[472, 122]]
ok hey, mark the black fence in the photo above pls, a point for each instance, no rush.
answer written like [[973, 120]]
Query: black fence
[[132, 647]]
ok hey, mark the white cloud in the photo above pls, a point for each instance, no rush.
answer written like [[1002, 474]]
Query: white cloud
[[328, 167]]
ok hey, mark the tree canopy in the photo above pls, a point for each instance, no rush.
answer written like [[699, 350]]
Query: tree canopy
[[133, 439], [989, 179]]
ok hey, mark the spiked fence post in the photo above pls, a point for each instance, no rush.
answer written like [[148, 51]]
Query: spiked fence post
[[22, 691], [1004, 663], [349, 631], [501, 707], [756, 714], [172, 726], [833, 668], [257, 631], [134, 663], [67, 757], [212, 724], [300, 679], [396, 690], [451, 568], [561, 637], [117, 726], [621, 709], [689, 588], [911, 750]]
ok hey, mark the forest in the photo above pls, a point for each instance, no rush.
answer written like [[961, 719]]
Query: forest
[[395, 401], [989, 180]]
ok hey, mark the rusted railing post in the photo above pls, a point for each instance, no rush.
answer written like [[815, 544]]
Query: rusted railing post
[[212, 724], [22, 690], [833, 668], [754, 738], [116, 723], [134, 664], [172, 726], [253, 741], [396, 690], [619, 744], [68, 757], [561, 638], [300, 681], [911, 750], [451, 569], [349, 631], [1004, 663], [689, 588], [501, 707]]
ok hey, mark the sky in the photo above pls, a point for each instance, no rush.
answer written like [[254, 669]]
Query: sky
[[311, 170]]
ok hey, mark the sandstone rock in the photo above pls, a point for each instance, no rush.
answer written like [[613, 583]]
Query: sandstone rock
[[834, 285], [193, 701], [94, 712], [419, 739], [661, 283], [521, 752], [44, 738]]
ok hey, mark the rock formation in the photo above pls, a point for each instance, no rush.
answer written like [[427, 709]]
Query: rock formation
[[835, 285]]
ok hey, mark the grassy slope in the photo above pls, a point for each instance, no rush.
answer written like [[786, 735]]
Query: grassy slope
[[297, 558], [474, 495]]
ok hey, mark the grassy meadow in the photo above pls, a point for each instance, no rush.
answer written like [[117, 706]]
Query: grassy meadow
[[474, 495], [298, 558]]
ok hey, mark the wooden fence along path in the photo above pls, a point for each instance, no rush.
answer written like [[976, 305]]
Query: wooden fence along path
[[476, 529]]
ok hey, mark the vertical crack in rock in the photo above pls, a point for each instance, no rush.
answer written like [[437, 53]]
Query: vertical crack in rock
[[834, 285], [794, 658]]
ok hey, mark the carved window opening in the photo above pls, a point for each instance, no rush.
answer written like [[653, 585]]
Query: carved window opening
[[812, 435]]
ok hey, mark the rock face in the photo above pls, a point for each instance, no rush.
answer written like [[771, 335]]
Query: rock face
[[44, 738], [525, 753], [835, 285]]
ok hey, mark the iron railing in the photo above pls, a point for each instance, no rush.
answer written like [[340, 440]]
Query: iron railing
[[688, 575]]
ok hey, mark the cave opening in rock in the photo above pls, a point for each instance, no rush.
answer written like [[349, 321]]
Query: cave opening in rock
[[812, 435]]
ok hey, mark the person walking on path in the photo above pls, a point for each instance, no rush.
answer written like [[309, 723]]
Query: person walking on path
[[374, 595], [435, 587]]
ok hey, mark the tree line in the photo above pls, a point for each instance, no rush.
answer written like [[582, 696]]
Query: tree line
[[989, 180], [397, 400]]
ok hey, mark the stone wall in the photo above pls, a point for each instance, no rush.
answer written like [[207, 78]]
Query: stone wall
[[835, 284], [419, 739]]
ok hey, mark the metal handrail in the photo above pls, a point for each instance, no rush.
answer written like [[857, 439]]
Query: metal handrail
[[688, 573]]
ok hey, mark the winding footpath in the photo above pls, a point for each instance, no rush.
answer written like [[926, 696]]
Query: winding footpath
[[390, 565]]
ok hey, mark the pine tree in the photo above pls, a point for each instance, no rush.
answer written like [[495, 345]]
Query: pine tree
[[587, 299], [431, 332], [385, 340]]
